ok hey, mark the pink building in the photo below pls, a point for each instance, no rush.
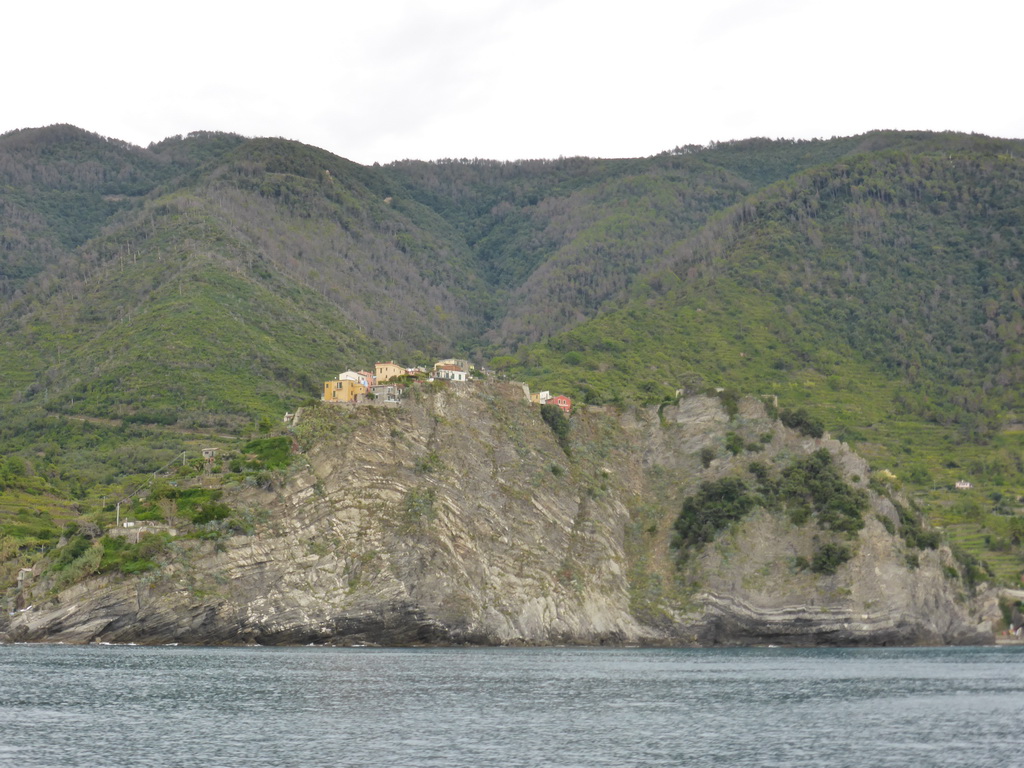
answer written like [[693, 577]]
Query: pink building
[[562, 402]]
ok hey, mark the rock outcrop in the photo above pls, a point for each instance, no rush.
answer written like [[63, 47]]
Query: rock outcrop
[[458, 518]]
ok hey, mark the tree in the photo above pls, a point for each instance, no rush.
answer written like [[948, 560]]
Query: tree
[[828, 559], [555, 418], [717, 504]]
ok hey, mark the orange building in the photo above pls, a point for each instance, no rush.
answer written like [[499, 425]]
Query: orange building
[[343, 390]]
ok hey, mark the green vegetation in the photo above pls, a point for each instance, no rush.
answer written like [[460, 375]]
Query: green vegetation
[[714, 507], [197, 505], [120, 555], [418, 506], [429, 463], [77, 546], [829, 557], [810, 487], [813, 486], [734, 443], [707, 455], [269, 452], [158, 300], [31, 530], [802, 422], [555, 418], [914, 533]]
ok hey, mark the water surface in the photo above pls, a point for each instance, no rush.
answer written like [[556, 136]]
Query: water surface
[[113, 706]]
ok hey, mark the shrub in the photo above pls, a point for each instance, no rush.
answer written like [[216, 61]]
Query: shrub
[[730, 400], [815, 483], [974, 570], [120, 555], [829, 557], [199, 505], [429, 463], [166, 418], [919, 476], [717, 504], [12, 469], [799, 515], [759, 470], [82, 566], [30, 530], [555, 418], [209, 512], [802, 422], [913, 533], [707, 455], [75, 548], [733, 443], [419, 504]]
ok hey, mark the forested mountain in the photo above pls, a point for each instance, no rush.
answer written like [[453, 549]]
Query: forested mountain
[[209, 281], [225, 287], [485, 257], [560, 241], [910, 263]]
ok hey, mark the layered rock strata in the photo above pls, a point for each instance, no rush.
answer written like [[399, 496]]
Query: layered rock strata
[[459, 518]]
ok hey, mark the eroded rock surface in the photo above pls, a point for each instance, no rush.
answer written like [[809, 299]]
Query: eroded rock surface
[[458, 518]]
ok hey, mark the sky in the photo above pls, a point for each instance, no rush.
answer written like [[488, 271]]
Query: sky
[[512, 79]]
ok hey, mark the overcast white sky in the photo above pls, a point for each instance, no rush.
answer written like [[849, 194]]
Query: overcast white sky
[[380, 80]]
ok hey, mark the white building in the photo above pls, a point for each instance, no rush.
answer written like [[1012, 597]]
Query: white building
[[355, 376], [449, 373]]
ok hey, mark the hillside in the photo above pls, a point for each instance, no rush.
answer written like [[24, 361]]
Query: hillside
[[272, 259], [873, 280], [158, 299], [561, 241], [461, 517], [909, 263], [59, 186]]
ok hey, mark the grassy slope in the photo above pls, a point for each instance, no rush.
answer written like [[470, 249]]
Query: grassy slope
[[226, 295], [883, 294], [188, 331]]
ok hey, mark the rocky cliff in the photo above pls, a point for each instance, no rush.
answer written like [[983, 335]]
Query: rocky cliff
[[460, 518]]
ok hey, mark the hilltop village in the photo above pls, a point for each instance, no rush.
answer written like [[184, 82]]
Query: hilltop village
[[385, 384]]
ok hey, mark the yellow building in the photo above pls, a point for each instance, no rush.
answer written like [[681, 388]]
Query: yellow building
[[387, 371], [342, 391]]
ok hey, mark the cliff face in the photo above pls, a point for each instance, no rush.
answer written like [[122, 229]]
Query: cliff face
[[458, 518]]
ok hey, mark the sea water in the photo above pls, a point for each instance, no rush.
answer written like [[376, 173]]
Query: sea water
[[145, 707]]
